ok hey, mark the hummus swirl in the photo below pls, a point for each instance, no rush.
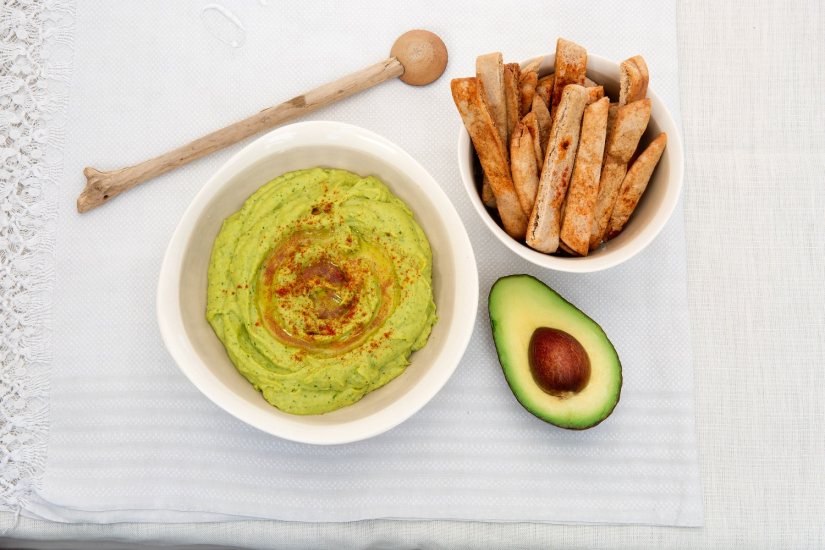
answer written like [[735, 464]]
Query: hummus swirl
[[320, 288]]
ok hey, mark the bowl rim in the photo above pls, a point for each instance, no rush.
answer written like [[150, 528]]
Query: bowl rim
[[280, 424], [614, 257]]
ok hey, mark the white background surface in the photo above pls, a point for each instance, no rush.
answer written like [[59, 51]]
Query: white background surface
[[754, 207], [131, 439]]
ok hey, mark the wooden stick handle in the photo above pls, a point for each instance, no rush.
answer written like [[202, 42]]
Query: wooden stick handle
[[103, 186]]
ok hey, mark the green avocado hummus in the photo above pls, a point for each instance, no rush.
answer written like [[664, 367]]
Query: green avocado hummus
[[320, 287]]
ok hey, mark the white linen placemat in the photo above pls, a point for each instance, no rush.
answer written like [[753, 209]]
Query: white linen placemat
[[132, 440]]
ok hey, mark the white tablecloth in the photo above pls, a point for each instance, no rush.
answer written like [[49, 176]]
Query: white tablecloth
[[756, 301]]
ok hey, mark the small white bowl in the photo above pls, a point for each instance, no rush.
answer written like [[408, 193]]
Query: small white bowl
[[652, 213], [181, 299]]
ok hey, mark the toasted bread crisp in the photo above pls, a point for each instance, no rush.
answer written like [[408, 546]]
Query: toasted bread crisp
[[545, 219], [490, 72], [580, 204], [487, 196], [527, 89], [634, 184], [533, 65], [512, 96], [544, 88], [571, 66], [625, 131], [524, 167], [631, 121], [467, 94], [610, 181], [633, 80], [544, 123], [531, 124], [564, 248], [594, 93], [611, 117]]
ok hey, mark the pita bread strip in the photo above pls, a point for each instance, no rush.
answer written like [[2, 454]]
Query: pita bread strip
[[610, 181], [533, 65], [490, 72], [467, 94], [487, 196], [545, 219], [524, 167], [544, 88], [512, 96], [567, 249], [531, 124], [634, 184], [633, 80], [511, 75], [594, 93], [624, 132], [571, 65], [580, 204], [544, 123], [527, 89], [611, 117], [628, 127]]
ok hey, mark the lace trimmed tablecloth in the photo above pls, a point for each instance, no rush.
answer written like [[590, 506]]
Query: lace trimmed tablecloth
[[34, 69], [129, 439]]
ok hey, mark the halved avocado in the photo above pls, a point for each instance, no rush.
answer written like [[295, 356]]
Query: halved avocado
[[558, 361]]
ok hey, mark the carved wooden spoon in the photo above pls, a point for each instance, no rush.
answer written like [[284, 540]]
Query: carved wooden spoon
[[418, 57]]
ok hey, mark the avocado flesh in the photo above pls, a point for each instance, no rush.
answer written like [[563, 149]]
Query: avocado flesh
[[519, 304]]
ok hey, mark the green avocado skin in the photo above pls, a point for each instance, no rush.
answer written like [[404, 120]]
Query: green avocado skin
[[518, 305]]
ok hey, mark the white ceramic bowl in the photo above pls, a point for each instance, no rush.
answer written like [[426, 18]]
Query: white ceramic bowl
[[181, 299], [652, 213]]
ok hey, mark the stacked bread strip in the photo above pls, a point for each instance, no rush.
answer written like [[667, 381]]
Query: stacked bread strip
[[571, 66], [545, 219], [490, 71], [527, 89], [584, 187], [512, 74], [533, 65], [633, 80], [524, 167], [626, 131], [544, 123], [634, 184], [594, 93], [467, 94], [544, 89]]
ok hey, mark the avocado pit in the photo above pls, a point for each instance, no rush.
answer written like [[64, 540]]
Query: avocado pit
[[558, 362]]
